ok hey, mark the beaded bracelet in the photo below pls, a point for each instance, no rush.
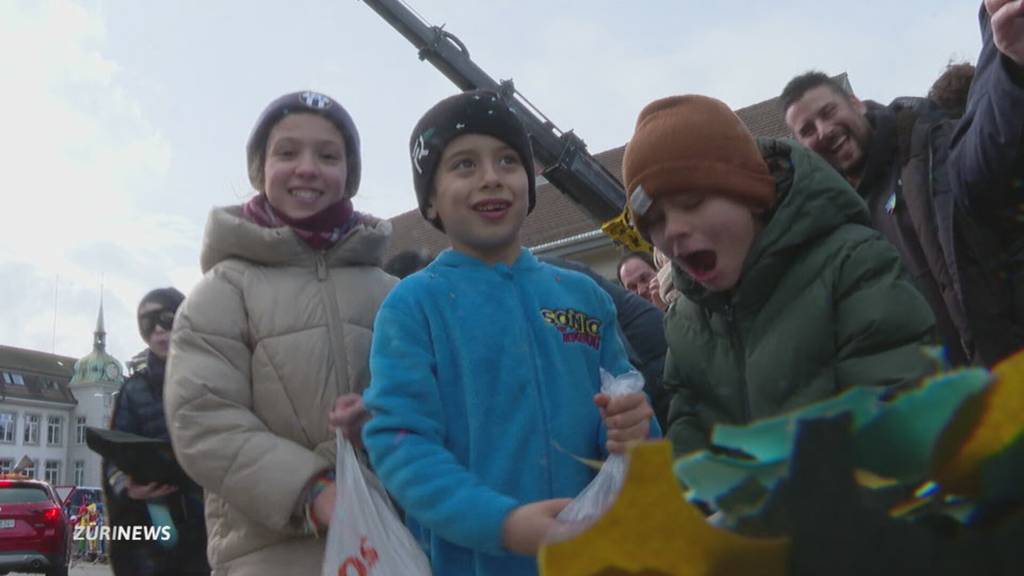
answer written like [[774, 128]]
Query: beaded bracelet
[[321, 483]]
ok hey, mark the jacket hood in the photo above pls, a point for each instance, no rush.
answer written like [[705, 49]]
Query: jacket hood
[[813, 200], [229, 234]]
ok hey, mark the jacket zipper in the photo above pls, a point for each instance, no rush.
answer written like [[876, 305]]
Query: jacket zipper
[[321, 267], [538, 394], [737, 342], [333, 314]]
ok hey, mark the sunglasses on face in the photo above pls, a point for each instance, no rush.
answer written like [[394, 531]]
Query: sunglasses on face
[[150, 320]]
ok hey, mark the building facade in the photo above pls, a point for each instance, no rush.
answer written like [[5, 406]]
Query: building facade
[[47, 401]]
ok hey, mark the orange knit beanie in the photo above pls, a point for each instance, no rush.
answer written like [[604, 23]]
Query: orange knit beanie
[[693, 144]]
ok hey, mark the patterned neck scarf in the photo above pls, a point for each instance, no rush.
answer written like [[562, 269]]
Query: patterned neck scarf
[[320, 231]]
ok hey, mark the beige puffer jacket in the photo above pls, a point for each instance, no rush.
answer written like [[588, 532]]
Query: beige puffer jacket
[[263, 345]]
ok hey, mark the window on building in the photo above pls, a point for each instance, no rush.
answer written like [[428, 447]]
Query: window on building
[[80, 430], [54, 430], [30, 470], [51, 473], [8, 426], [79, 472], [31, 435], [6, 465], [14, 378]]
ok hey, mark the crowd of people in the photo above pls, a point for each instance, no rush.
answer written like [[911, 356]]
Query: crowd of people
[[785, 271]]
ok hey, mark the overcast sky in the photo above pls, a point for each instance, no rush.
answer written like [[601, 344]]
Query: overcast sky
[[125, 120]]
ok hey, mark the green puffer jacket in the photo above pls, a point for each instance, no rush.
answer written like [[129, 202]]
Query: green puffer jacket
[[822, 304]]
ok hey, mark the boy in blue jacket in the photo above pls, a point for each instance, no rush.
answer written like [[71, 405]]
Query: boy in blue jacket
[[485, 364]]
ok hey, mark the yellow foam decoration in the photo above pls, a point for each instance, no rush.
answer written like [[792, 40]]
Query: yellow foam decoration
[[997, 423], [869, 479], [621, 230], [651, 530]]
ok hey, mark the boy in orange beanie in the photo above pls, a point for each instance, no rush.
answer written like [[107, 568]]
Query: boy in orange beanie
[[789, 296]]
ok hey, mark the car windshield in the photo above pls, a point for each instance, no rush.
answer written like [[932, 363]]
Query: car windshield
[[22, 494]]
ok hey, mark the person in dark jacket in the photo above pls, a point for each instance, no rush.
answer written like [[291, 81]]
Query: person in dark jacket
[[139, 409], [641, 329], [789, 297], [986, 175], [987, 151], [638, 273], [406, 262], [950, 89], [896, 157]]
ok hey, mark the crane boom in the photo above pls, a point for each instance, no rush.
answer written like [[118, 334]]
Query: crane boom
[[567, 164]]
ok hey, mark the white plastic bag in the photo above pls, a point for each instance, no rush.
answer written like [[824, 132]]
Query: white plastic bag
[[366, 537], [598, 496]]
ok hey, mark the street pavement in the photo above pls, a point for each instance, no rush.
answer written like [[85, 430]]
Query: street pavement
[[83, 569]]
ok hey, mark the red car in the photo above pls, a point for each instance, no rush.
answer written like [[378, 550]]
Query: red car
[[34, 532]]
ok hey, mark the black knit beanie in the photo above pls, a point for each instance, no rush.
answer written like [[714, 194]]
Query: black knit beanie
[[306, 102], [167, 298], [473, 112]]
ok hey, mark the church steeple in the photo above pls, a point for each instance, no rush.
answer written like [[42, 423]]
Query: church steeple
[[100, 335], [98, 367]]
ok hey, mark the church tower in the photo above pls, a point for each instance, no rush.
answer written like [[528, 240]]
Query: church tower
[[97, 379]]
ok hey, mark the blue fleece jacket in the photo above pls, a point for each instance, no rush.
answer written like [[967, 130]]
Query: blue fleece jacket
[[483, 380]]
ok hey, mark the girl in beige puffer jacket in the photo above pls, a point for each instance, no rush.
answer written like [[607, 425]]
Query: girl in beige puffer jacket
[[277, 330]]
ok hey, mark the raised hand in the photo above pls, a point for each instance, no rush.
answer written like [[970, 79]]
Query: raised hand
[[349, 415], [1008, 27], [627, 418]]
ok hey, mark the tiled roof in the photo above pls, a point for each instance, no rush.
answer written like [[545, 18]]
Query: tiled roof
[[411, 232], [45, 376], [765, 119], [556, 216]]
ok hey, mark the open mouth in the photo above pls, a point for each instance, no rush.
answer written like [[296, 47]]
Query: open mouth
[[492, 209], [837, 144], [701, 264], [305, 195]]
